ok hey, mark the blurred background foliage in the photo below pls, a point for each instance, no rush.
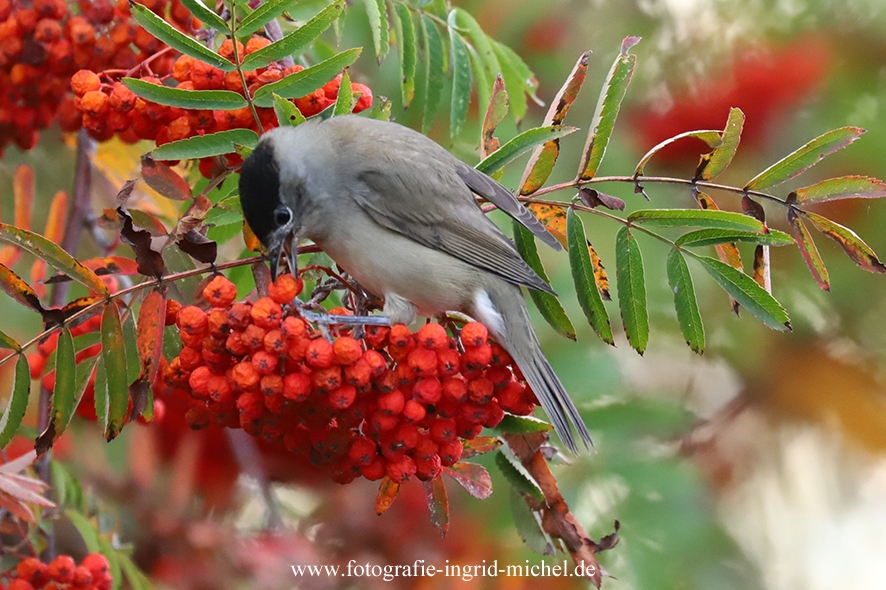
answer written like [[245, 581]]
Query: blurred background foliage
[[759, 465]]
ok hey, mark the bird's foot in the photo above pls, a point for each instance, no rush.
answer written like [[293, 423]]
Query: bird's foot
[[328, 319]]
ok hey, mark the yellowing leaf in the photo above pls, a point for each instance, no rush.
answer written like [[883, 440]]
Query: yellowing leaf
[[553, 217]]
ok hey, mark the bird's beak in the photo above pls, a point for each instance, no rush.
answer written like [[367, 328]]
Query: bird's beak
[[280, 246]]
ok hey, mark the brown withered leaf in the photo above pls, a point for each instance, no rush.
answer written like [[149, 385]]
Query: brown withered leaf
[[150, 262], [553, 217], [753, 208], [149, 340], [105, 265], [387, 493], [480, 445], [495, 113], [762, 274], [198, 247], [125, 192], [163, 179], [593, 198]]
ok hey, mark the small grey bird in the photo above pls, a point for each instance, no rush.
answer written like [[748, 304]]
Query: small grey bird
[[398, 213]]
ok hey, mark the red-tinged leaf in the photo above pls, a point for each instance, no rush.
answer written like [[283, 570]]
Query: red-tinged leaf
[[198, 247], [146, 221], [753, 209], [480, 445], [712, 164], [472, 477], [762, 275], [149, 261], [9, 255], [163, 179], [23, 194], [727, 253], [710, 136], [543, 157], [18, 490], [608, 104], [860, 253], [14, 286], [806, 157], [438, 504], [55, 224], [808, 250], [593, 198], [79, 304], [600, 276], [844, 187], [17, 402], [387, 493], [114, 360], [149, 339], [495, 114], [42, 248]]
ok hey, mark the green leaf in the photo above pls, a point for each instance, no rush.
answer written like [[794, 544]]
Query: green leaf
[[547, 304], [749, 294], [461, 83], [7, 341], [435, 69], [53, 255], [583, 276], [605, 114], [108, 551], [521, 144], [135, 577], [17, 402], [378, 24], [696, 218], [87, 530], [513, 80], [631, 281], [859, 252], [804, 158], [513, 424], [63, 396], [209, 100], [262, 15], [115, 366], [527, 526], [308, 80], [463, 21], [717, 161], [287, 113], [295, 41], [809, 251], [406, 47], [202, 146], [381, 110], [710, 137], [208, 16], [484, 83], [517, 476], [685, 302], [712, 237], [344, 102], [165, 32], [844, 187]]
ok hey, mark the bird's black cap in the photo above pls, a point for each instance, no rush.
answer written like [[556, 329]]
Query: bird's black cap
[[260, 189]]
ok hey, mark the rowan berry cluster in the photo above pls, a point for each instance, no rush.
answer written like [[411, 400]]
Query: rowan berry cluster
[[62, 573], [43, 42], [393, 403], [111, 108]]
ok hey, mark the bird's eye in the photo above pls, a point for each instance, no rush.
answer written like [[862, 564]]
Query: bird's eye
[[282, 215]]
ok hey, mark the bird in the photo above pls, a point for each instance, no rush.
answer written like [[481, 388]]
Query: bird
[[400, 214]]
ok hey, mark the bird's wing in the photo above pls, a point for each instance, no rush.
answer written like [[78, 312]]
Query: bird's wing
[[505, 200], [452, 225]]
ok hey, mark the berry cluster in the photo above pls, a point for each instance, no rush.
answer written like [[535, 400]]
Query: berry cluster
[[111, 108], [62, 573], [394, 403], [43, 42]]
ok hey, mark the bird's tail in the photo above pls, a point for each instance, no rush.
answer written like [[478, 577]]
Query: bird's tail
[[513, 330]]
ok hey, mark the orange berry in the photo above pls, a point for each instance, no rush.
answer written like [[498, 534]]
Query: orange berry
[[294, 328], [433, 336], [392, 402], [319, 354], [94, 103], [448, 362], [477, 358], [327, 379], [266, 313], [31, 569], [474, 334], [480, 390], [234, 82], [401, 469], [226, 50], [219, 389], [296, 386], [342, 397], [172, 309], [206, 77], [377, 363], [285, 289], [422, 362], [190, 358], [313, 103], [255, 43], [264, 362], [199, 380], [20, 584], [451, 452], [181, 69], [239, 317], [275, 343], [61, 569], [220, 292], [192, 319], [251, 405], [399, 336], [245, 376], [347, 350], [179, 128], [47, 30], [253, 337], [427, 390], [331, 88], [271, 385], [82, 576]]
